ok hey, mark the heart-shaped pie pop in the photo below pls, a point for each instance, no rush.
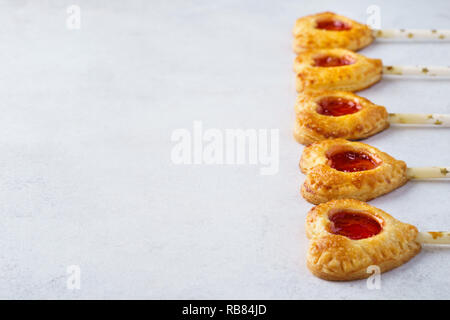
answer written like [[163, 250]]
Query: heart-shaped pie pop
[[347, 236], [329, 30], [336, 114], [341, 114], [342, 69], [336, 69], [341, 169]]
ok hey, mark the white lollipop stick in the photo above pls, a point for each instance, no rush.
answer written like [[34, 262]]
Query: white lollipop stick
[[434, 237], [431, 71], [441, 120], [412, 34], [428, 172]]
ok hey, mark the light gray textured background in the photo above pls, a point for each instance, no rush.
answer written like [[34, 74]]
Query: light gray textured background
[[85, 171]]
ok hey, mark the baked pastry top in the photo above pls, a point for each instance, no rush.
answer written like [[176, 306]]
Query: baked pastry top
[[335, 69], [328, 114], [341, 169], [340, 257], [329, 30]]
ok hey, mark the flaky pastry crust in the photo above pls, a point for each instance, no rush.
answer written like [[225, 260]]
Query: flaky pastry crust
[[324, 183], [311, 126], [361, 74], [307, 36], [336, 257]]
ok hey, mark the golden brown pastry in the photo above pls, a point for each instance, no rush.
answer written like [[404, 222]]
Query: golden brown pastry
[[347, 236], [341, 169], [336, 69], [329, 30], [323, 115]]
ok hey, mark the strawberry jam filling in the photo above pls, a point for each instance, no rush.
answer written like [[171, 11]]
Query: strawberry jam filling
[[351, 161], [332, 25], [333, 61], [335, 106], [354, 225]]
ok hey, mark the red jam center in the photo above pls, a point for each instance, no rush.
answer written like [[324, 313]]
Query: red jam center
[[332, 25], [335, 106], [332, 61], [350, 161], [354, 225]]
